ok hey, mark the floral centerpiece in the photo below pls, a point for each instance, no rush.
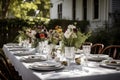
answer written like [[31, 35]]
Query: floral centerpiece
[[55, 35], [73, 37], [34, 35], [41, 35]]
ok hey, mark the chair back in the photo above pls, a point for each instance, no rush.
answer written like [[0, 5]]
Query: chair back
[[4, 67], [97, 48], [2, 76], [113, 51]]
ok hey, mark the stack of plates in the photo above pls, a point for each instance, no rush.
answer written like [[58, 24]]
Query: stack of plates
[[46, 66]]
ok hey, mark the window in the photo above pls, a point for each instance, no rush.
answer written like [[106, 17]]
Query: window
[[96, 9], [74, 9], [84, 9], [60, 11]]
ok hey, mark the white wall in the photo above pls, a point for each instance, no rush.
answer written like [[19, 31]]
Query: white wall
[[79, 10], [89, 10], [53, 10], [67, 9]]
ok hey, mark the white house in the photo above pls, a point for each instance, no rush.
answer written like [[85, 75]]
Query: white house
[[97, 12]]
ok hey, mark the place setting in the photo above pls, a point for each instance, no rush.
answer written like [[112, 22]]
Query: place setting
[[111, 64]]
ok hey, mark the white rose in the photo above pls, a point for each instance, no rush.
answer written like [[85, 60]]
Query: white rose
[[71, 26], [67, 33]]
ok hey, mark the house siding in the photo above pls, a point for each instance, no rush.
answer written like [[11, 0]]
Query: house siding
[[79, 10], [67, 9], [105, 7]]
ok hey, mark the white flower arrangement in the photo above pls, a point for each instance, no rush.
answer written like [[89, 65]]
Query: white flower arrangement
[[73, 37]]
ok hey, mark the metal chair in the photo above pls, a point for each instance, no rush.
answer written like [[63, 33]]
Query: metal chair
[[112, 50], [97, 48]]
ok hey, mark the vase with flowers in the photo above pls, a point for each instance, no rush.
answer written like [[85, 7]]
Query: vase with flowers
[[41, 37], [55, 38], [73, 38]]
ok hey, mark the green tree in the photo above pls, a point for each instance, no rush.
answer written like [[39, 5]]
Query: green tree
[[4, 7], [25, 9]]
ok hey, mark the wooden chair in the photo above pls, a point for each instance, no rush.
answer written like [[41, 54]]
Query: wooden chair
[[4, 67], [7, 69], [2, 76], [112, 50], [97, 48]]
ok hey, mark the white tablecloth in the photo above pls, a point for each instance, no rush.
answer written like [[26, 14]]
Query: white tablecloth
[[93, 72]]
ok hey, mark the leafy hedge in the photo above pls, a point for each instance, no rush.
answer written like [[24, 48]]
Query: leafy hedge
[[9, 30], [107, 36]]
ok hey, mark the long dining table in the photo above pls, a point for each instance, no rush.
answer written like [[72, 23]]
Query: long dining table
[[78, 72]]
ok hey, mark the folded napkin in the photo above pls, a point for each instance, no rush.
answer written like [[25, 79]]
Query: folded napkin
[[12, 44], [23, 53], [18, 49], [10, 47], [33, 58]]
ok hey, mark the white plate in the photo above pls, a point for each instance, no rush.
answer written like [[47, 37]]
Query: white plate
[[97, 57], [46, 66], [110, 64]]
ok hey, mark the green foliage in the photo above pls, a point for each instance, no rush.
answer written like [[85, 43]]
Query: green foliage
[[109, 36], [81, 38], [22, 9], [9, 29]]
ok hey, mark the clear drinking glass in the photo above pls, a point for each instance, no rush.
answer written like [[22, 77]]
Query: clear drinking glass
[[86, 52], [69, 54]]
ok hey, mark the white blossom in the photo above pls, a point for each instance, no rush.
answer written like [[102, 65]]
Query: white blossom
[[68, 33], [71, 26]]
